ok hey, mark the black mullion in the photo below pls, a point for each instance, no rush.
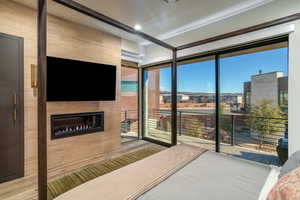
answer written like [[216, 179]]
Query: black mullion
[[174, 100], [143, 104], [217, 73], [139, 103]]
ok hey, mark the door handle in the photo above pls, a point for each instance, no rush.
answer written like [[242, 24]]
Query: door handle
[[15, 105]]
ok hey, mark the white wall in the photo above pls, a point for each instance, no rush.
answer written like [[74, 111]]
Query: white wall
[[130, 46], [155, 53], [294, 88]]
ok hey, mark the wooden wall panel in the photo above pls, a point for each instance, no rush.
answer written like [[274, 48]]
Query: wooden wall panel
[[73, 41], [68, 40], [20, 21]]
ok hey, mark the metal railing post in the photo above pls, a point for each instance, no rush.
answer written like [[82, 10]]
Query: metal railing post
[[179, 122], [286, 130], [232, 131], [125, 115]]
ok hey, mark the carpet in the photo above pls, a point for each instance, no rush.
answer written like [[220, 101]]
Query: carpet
[[70, 181]]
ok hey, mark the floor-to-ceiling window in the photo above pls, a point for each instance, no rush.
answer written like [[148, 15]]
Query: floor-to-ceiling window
[[196, 102], [157, 103], [248, 84], [129, 103], [253, 103]]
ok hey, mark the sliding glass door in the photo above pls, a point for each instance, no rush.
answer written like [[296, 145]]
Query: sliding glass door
[[129, 104], [196, 102], [157, 104], [253, 103], [234, 101]]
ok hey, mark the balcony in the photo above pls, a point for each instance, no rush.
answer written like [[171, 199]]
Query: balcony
[[129, 125], [236, 135]]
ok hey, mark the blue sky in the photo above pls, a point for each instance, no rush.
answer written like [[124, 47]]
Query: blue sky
[[199, 77]]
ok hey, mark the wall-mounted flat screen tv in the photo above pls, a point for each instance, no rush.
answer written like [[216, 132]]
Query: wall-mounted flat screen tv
[[72, 80]]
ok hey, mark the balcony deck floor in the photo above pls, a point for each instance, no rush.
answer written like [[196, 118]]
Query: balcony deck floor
[[247, 153]]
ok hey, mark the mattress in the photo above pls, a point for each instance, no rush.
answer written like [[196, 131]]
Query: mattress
[[213, 176]]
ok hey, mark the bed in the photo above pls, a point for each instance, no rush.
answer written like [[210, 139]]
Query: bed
[[180, 172]]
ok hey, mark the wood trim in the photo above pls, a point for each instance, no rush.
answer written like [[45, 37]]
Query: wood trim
[[159, 65], [267, 47], [92, 13], [195, 60], [250, 47], [42, 112], [243, 31], [126, 63]]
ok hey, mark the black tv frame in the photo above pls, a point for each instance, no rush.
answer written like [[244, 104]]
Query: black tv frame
[[84, 100]]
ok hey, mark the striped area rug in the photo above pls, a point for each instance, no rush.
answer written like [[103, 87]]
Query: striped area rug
[[68, 182]]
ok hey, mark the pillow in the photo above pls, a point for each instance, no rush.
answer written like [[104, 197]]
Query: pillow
[[292, 163], [287, 187]]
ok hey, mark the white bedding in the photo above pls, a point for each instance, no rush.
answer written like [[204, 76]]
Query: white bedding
[[270, 182], [213, 176]]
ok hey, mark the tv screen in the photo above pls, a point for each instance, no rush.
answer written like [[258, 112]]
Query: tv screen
[[71, 80]]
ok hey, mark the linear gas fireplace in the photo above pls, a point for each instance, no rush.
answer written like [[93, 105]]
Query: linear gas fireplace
[[69, 125]]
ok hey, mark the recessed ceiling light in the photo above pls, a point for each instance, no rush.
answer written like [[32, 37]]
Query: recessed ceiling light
[[170, 1], [137, 27]]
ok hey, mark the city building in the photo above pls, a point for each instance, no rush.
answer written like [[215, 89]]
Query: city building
[[233, 99], [165, 97], [272, 86]]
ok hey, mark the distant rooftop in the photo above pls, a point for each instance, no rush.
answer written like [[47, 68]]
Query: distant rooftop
[[165, 93]]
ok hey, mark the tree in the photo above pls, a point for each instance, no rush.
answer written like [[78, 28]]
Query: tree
[[264, 119], [192, 125], [226, 125]]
